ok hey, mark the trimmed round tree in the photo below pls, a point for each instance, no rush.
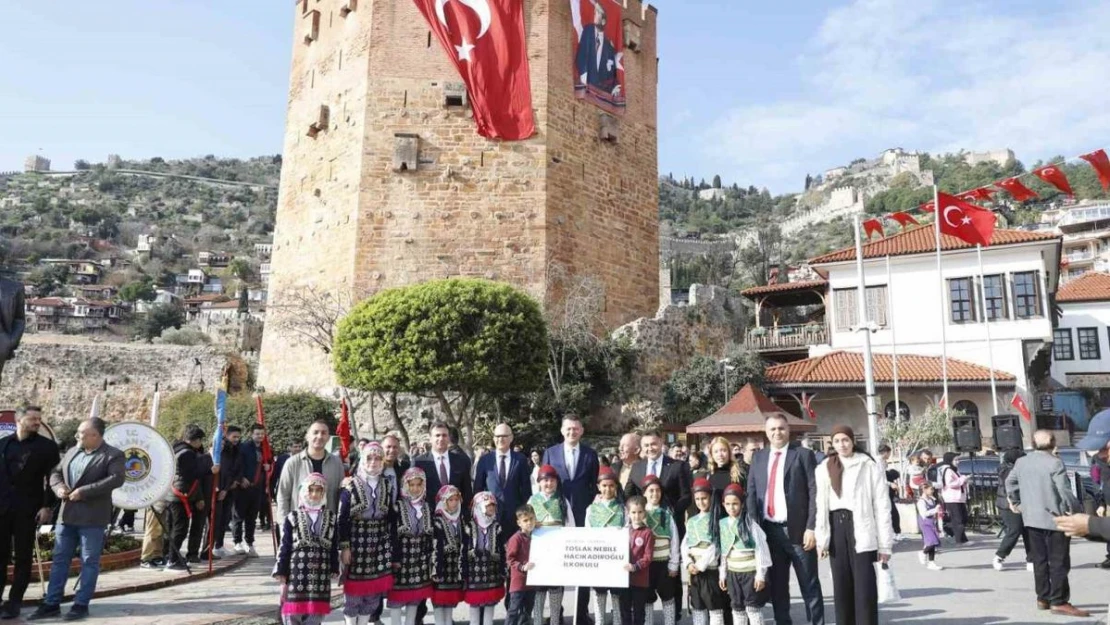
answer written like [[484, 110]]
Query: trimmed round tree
[[460, 341]]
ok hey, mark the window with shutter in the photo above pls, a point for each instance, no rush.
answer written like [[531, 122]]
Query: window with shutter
[[845, 301]]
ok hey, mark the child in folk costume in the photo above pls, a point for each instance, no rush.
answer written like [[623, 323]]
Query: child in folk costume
[[641, 546], [745, 559], [485, 560], [606, 511], [551, 511], [365, 503], [929, 509], [448, 575], [308, 557], [412, 549], [699, 556], [665, 555]]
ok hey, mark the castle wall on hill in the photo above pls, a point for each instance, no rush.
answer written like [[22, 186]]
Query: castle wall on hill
[[65, 377], [386, 182]]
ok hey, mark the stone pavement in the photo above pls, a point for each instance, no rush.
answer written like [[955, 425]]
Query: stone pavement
[[967, 592]]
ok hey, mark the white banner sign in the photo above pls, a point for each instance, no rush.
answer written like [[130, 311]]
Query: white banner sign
[[579, 556]]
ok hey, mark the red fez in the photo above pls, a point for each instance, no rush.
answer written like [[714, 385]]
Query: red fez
[[547, 471], [701, 485], [733, 489], [605, 473], [650, 480]]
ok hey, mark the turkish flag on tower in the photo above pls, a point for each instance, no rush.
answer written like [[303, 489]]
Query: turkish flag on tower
[[964, 221], [485, 41], [1019, 404]]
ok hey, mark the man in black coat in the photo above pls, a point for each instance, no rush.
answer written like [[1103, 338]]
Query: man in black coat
[[442, 465], [229, 483], [577, 466], [782, 496], [674, 476], [26, 460], [506, 474]]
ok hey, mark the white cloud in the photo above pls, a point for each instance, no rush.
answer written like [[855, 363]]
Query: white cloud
[[935, 75]]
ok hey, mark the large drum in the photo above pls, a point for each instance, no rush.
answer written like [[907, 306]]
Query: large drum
[[148, 465]]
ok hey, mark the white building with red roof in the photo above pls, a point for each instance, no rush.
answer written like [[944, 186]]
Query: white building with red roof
[[1081, 341]]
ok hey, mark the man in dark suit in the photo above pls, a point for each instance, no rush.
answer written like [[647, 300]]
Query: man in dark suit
[[782, 496], [577, 466], [84, 481], [12, 319], [506, 474], [597, 58], [674, 476]]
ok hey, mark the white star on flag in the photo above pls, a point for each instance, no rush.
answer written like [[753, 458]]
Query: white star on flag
[[464, 50], [966, 220]]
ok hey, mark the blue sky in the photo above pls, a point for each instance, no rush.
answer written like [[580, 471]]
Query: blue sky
[[759, 92]]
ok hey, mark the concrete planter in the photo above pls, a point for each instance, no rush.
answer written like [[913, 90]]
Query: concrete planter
[[108, 562]]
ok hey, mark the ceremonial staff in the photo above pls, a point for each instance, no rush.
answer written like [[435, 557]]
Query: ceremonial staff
[[217, 447], [268, 461]]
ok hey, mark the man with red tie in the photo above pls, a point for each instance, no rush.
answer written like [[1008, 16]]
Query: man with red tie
[[782, 497], [506, 474]]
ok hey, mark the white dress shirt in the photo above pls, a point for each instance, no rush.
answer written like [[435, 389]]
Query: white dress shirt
[[446, 458], [508, 464], [571, 457], [780, 486], [655, 467]]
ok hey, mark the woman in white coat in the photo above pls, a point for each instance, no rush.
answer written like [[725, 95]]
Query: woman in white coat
[[853, 527]]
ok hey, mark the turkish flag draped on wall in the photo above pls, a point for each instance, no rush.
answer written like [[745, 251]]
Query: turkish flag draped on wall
[[965, 221], [485, 41]]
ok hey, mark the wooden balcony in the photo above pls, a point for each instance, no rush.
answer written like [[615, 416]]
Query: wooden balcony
[[786, 337]]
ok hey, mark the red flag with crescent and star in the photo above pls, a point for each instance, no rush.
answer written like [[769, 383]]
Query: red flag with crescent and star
[[1019, 404], [1101, 164], [1014, 187], [485, 41], [1054, 176], [965, 221]]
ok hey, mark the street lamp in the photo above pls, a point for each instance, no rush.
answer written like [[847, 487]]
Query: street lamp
[[726, 365]]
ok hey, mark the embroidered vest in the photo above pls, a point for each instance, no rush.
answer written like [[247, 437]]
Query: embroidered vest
[[699, 537], [659, 522], [548, 511], [605, 514], [739, 553]]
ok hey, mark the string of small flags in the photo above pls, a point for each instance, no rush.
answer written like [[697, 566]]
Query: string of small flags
[[1050, 173]]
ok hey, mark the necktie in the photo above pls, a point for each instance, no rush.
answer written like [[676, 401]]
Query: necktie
[[443, 479], [573, 461], [771, 486], [501, 472], [651, 468]]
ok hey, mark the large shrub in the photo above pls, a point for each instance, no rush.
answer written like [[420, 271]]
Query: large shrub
[[288, 415]]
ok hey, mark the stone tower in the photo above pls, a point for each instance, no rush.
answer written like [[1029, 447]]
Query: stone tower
[[385, 181]]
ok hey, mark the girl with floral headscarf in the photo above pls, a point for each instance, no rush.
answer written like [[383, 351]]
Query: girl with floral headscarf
[[412, 549], [448, 575], [485, 560], [364, 504], [309, 556]]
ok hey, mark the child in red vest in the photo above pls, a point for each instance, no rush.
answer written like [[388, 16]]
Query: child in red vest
[[641, 545]]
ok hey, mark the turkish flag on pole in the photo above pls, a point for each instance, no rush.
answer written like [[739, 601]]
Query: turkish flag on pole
[[1014, 187], [1019, 404], [964, 221], [343, 431], [1054, 176], [903, 218], [871, 226], [485, 41], [1101, 165]]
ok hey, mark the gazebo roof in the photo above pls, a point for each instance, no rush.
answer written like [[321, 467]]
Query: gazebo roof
[[745, 413]]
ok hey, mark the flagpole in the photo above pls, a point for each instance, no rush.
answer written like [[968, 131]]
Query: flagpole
[[987, 323], [943, 314], [893, 342], [864, 326]]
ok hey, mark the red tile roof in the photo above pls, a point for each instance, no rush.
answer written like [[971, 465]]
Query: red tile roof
[[842, 368], [922, 239], [783, 287], [47, 301], [746, 412], [1089, 287]]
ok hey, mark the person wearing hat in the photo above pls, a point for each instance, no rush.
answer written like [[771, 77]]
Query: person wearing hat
[[665, 559], [700, 559], [853, 527], [606, 511], [1097, 527], [745, 559], [1039, 489], [551, 511]]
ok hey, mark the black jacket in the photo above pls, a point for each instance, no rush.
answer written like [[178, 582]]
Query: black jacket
[[459, 476], [799, 486], [231, 466], [187, 472], [676, 479], [27, 465]]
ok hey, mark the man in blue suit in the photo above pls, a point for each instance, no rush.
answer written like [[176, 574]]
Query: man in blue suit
[[506, 474], [597, 58], [577, 467]]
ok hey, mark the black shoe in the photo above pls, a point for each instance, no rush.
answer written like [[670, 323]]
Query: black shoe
[[9, 611], [45, 611], [1105, 563], [77, 613], [176, 567], [193, 559]]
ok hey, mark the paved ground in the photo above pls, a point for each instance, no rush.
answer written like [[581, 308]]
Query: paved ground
[[967, 592]]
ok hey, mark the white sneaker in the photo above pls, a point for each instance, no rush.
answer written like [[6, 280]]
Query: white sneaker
[[997, 563], [921, 557], [251, 553], [899, 538], [1029, 566], [239, 548], [220, 552], [933, 566]]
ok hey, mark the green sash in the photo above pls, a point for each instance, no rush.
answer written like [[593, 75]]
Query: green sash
[[730, 536], [547, 509], [605, 514]]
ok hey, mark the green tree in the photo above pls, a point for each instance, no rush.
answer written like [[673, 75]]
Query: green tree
[[698, 389], [48, 279], [717, 182], [241, 269], [80, 164], [905, 436], [138, 290], [159, 318], [288, 415], [463, 342]]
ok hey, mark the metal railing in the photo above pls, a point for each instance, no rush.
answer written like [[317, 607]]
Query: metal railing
[[787, 336]]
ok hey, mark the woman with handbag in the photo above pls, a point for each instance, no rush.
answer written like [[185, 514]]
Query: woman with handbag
[[954, 495], [853, 527]]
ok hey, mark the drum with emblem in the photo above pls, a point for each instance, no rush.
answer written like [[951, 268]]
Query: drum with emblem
[[148, 465]]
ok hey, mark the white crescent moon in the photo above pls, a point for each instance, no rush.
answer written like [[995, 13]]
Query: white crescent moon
[[480, 7], [952, 208]]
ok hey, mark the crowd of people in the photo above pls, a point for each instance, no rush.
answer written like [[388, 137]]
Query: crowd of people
[[716, 530]]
